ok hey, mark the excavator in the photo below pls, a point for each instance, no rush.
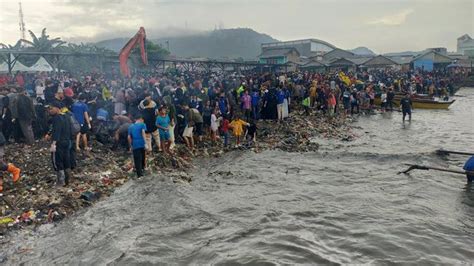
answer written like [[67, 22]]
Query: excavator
[[138, 39]]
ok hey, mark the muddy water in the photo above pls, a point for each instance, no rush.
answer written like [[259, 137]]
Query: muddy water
[[344, 204]]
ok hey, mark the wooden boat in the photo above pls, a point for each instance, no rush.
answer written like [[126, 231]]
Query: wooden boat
[[423, 102]]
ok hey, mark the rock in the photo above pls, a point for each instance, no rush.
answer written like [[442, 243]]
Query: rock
[[90, 196]]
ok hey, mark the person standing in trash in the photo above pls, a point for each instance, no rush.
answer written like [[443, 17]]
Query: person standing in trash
[[256, 104], [41, 124], [61, 145], [149, 111], [80, 111], [280, 103], [172, 114], [188, 130], [9, 167], [163, 122], [7, 124], [137, 144], [26, 116], [13, 106]]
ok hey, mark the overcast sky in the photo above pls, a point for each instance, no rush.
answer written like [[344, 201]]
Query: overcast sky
[[382, 25]]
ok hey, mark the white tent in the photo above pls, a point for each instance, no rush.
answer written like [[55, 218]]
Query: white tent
[[20, 67], [16, 67], [42, 66], [4, 67]]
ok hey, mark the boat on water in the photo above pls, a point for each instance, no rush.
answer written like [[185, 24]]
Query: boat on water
[[421, 102]]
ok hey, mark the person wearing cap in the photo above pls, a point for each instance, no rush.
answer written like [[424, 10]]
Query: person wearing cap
[[61, 145]]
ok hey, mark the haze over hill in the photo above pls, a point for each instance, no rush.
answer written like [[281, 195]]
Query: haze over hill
[[226, 43], [220, 44], [362, 51]]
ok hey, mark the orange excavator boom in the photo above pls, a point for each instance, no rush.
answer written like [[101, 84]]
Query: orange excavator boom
[[139, 38]]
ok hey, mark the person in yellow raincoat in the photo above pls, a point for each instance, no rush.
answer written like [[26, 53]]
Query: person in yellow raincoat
[[237, 126]]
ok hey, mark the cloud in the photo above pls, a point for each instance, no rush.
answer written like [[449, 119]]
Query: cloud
[[392, 20], [362, 22]]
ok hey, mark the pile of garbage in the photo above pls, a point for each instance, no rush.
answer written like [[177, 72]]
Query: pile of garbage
[[299, 133], [35, 200]]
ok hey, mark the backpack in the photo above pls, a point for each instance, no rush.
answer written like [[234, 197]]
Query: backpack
[[75, 126]]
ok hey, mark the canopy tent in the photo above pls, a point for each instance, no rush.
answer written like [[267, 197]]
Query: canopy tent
[[41, 66], [18, 66], [3, 67]]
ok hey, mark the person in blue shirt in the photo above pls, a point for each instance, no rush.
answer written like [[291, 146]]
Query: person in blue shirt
[[136, 141], [280, 101], [163, 124], [80, 110], [223, 104], [469, 167], [256, 104]]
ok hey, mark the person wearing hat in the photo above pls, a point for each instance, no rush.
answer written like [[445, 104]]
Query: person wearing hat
[[61, 145]]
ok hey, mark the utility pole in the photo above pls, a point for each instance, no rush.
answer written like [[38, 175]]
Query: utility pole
[[22, 22]]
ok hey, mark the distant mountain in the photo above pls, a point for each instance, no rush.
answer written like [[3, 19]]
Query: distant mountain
[[362, 51], [226, 43], [218, 44], [406, 53], [113, 44]]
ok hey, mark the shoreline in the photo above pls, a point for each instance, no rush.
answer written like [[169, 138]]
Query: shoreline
[[35, 201]]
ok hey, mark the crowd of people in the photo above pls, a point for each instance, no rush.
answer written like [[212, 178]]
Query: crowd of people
[[154, 112]]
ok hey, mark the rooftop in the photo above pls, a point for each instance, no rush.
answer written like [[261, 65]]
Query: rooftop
[[270, 44], [275, 52]]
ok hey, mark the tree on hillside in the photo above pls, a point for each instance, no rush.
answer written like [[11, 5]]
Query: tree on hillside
[[153, 50]]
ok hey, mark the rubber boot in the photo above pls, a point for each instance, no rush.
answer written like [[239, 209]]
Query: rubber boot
[[68, 175], [14, 171], [61, 178]]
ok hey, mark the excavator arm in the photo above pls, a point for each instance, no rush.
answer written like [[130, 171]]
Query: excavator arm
[[139, 38]]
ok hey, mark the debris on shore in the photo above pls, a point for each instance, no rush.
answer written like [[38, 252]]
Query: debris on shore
[[35, 200]]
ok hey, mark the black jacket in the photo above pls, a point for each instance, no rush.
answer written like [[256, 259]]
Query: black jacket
[[25, 108]]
